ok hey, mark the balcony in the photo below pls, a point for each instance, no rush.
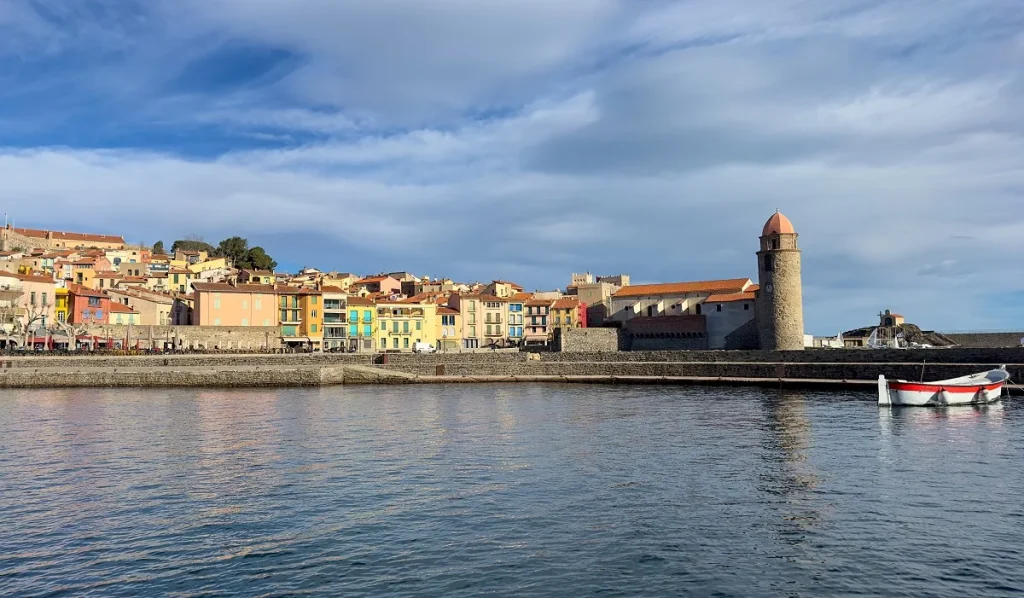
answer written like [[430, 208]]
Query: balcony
[[334, 305], [330, 318]]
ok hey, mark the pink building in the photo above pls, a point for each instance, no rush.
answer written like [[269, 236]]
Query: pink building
[[36, 304]]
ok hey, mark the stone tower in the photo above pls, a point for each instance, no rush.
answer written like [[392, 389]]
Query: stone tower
[[780, 308]]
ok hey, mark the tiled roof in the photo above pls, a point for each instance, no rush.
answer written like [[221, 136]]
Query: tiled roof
[[81, 291], [29, 277], [116, 307], [372, 279], [540, 302], [41, 234], [444, 309], [730, 297], [520, 297], [108, 275], [330, 289], [223, 287], [361, 302], [733, 285], [566, 303]]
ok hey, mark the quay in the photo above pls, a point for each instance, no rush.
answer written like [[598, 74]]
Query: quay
[[839, 370]]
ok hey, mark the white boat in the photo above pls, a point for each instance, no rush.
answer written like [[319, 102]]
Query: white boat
[[982, 388]]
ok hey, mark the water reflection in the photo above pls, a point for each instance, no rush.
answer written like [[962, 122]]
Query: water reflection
[[900, 420], [789, 476]]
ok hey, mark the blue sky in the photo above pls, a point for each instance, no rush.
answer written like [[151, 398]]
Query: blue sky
[[526, 140]]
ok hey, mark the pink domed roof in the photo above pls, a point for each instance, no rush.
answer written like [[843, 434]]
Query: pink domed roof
[[778, 225]]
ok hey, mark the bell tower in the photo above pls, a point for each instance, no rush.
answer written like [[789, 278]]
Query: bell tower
[[780, 308]]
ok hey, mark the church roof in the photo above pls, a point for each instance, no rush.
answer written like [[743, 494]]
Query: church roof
[[778, 224]]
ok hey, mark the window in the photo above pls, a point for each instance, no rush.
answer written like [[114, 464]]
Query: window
[[33, 298], [405, 327], [312, 328], [718, 307], [94, 301], [315, 299], [284, 315], [394, 343], [769, 263], [472, 331], [295, 315], [257, 304], [176, 281], [699, 309], [61, 317], [746, 307], [394, 327], [383, 343], [367, 316], [99, 314], [216, 322], [367, 331], [216, 304], [245, 321], [312, 314], [558, 320], [353, 315], [419, 325], [119, 319], [405, 342], [266, 321], [245, 304], [284, 302], [353, 329], [295, 302]]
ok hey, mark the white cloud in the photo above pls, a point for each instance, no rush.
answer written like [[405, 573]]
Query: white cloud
[[536, 138]]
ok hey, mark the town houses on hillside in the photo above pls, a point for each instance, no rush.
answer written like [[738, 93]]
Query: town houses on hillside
[[59, 287]]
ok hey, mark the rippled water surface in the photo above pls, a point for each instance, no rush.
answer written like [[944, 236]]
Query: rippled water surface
[[505, 490]]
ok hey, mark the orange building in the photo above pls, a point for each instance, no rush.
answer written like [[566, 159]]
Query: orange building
[[224, 304]]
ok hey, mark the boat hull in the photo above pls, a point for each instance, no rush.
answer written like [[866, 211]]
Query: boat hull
[[922, 395]]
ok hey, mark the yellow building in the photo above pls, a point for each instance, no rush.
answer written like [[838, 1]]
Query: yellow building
[[565, 313], [403, 323], [257, 277], [216, 263], [449, 328], [362, 324], [61, 305], [301, 318], [178, 279]]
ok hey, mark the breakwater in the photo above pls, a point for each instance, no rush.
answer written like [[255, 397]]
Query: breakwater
[[253, 370]]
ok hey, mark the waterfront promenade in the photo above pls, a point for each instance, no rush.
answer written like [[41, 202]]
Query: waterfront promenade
[[807, 369]]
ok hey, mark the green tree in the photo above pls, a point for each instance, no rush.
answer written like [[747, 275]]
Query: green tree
[[193, 245], [257, 259], [235, 249], [158, 247]]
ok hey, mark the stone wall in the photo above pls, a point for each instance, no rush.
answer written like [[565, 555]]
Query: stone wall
[[986, 339], [208, 338], [10, 239], [586, 340]]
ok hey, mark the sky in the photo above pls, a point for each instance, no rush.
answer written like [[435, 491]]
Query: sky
[[529, 139]]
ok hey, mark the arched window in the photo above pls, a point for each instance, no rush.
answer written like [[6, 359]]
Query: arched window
[[769, 263]]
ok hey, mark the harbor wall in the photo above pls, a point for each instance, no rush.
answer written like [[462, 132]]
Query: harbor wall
[[255, 370]]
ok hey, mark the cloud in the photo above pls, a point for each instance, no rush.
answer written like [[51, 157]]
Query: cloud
[[530, 140]]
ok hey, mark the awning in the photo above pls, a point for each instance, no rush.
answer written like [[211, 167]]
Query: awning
[[296, 339]]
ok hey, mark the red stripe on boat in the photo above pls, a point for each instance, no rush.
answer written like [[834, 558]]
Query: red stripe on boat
[[914, 387]]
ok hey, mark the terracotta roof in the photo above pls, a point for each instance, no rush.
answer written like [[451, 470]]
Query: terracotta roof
[[179, 271], [444, 309], [734, 285], [42, 234], [330, 289], [778, 225], [373, 279], [29, 277], [223, 287], [520, 297], [108, 275], [540, 302], [361, 302], [157, 275], [116, 307], [76, 289], [566, 303], [730, 297]]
